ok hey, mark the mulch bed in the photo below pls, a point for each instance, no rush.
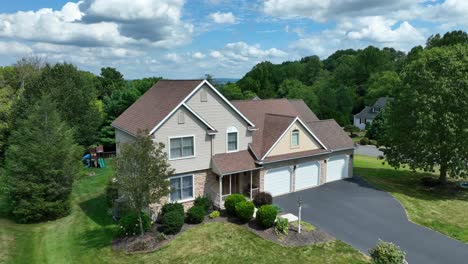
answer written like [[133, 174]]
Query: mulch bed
[[153, 240]]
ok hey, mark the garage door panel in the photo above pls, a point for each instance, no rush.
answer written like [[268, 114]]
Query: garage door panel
[[337, 168], [307, 175], [278, 181]]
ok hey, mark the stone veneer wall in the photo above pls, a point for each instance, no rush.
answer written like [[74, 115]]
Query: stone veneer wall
[[323, 172]]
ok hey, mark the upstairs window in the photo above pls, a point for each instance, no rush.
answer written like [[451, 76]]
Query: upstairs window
[[203, 95], [295, 138], [232, 139], [182, 147]]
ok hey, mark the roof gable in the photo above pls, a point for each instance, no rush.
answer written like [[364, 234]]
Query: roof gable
[[160, 102]]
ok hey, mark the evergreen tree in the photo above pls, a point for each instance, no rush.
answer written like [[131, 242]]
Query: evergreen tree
[[42, 161]]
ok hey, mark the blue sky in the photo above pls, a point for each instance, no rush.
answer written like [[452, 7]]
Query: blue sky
[[187, 39]]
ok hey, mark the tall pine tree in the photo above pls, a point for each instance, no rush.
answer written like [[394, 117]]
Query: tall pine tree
[[42, 161]]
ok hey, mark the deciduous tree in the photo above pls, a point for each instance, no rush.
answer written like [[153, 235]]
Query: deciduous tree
[[142, 170]]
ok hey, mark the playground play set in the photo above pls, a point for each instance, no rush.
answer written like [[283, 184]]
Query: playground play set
[[95, 157]]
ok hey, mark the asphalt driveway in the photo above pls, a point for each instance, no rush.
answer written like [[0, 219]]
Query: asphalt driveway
[[353, 211]]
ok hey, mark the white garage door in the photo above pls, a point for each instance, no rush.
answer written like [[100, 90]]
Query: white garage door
[[337, 168], [307, 175], [278, 181]]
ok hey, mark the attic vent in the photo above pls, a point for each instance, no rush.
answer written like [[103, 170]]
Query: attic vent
[[203, 96], [181, 118]]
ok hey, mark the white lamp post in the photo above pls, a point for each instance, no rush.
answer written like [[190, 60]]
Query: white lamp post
[[299, 204]]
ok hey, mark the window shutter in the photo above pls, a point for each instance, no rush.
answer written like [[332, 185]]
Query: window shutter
[[181, 119]]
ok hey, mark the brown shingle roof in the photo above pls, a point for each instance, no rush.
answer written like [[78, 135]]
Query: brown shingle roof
[[331, 134], [303, 110], [153, 106], [227, 163]]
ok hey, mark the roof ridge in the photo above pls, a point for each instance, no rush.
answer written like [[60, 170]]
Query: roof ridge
[[182, 80], [260, 100], [323, 120], [281, 115]]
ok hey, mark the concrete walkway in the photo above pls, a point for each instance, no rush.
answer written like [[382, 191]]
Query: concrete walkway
[[353, 211], [368, 150]]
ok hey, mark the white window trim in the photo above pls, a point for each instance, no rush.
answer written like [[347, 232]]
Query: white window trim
[[193, 188], [298, 138], [232, 129], [181, 158]]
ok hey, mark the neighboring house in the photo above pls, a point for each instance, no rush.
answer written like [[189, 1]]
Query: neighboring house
[[368, 114], [219, 147]]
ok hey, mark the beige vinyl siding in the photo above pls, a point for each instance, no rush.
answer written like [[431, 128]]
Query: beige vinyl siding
[[306, 142], [221, 116], [122, 137], [191, 126]]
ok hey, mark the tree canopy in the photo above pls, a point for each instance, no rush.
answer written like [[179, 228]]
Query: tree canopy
[[42, 161], [427, 127]]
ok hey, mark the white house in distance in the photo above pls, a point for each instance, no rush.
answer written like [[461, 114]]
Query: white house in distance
[[368, 114]]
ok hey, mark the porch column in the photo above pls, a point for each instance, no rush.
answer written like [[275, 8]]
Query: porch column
[[220, 191], [251, 185]]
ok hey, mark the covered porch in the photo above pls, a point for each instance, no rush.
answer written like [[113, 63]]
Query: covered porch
[[236, 173]]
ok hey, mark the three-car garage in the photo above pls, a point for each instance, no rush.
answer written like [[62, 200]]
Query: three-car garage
[[282, 180]]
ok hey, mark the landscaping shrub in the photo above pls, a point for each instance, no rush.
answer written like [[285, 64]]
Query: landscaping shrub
[[129, 224], [373, 142], [282, 226], [111, 193], [172, 222], [214, 214], [351, 128], [169, 207], [231, 201], [245, 211], [196, 214], [364, 141], [387, 253], [204, 202], [266, 216], [262, 198]]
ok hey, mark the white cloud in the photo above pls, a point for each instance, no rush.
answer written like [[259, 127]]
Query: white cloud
[[223, 18], [97, 23], [198, 55], [14, 48]]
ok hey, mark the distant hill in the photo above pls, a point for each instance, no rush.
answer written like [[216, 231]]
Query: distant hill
[[225, 80]]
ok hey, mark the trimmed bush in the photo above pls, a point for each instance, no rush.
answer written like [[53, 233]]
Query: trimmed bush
[[111, 193], [245, 211], [231, 201], [387, 253], [214, 214], [262, 198], [282, 226], [266, 216], [129, 225], [169, 207], [172, 222], [351, 128], [364, 141], [204, 202], [196, 214]]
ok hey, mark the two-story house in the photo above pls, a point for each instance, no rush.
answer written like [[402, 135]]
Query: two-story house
[[218, 147], [368, 113]]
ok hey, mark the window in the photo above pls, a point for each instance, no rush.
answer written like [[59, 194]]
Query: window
[[232, 139], [182, 147], [295, 138], [203, 96], [182, 188], [181, 118]]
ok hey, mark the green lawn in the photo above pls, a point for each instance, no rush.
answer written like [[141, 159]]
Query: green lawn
[[86, 234], [444, 211]]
